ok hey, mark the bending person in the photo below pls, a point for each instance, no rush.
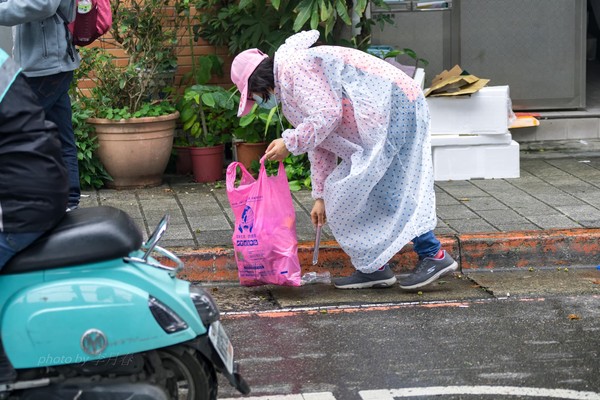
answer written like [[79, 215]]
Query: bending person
[[365, 127]]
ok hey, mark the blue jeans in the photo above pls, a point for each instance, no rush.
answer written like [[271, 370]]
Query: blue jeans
[[12, 243], [426, 245], [53, 94]]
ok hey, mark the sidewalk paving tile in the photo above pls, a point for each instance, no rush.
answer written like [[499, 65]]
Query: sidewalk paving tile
[[470, 225], [554, 221], [554, 192], [536, 282], [487, 203]]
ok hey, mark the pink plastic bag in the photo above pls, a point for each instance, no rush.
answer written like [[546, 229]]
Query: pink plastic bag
[[264, 237]]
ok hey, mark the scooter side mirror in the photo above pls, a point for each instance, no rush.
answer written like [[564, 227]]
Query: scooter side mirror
[[156, 236], [152, 245]]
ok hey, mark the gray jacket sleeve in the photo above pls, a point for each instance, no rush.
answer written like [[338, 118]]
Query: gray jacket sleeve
[[15, 12]]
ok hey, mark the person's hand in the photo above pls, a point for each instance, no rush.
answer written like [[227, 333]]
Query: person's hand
[[317, 215], [276, 151]]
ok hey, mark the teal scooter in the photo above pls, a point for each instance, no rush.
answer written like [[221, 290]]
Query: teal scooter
[[88, 313]]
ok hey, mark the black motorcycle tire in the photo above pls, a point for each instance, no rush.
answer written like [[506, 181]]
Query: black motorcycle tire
[[193, 372]]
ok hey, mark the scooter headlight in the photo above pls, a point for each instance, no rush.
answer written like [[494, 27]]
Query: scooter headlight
[[205, 305], [165, 316]]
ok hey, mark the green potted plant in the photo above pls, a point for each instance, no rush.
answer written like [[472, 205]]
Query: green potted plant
[[256, 130], [132, 106], [208, 115], [203, 68]]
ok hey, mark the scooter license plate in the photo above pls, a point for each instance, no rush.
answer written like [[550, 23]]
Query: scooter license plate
[[219, 339]]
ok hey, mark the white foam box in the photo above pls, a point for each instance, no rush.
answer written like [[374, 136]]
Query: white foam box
[[420, 77], [486, 111], [489, 161], [470, 139]]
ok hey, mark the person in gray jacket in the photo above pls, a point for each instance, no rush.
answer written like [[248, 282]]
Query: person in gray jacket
[[42, 46]]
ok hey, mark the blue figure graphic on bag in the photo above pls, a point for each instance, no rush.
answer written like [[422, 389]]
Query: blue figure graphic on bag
[[247, 222]]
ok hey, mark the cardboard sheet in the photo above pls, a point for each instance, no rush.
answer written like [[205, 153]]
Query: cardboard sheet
[[455, 82]]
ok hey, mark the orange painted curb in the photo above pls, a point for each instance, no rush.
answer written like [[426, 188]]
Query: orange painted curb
[[550, 248], [218, 264], [476, 251]]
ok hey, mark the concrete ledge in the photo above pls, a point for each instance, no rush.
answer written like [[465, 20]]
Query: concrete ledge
[[477, 251]]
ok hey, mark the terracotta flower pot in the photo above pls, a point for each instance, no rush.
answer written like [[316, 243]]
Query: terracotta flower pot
[[248, 152], [207, 163], [136, 151], [183, 160]]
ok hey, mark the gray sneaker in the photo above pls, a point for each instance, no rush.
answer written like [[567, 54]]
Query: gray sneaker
[[359, 280], [428, 270]]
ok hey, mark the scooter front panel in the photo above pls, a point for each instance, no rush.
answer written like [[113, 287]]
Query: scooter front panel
[[157, 282], [81, 320]]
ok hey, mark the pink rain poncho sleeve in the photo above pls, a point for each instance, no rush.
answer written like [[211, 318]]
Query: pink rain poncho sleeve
[[364, 124]]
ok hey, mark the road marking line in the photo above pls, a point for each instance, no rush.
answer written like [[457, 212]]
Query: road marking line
[[392, 394], [349, 308], [304, 396], [318, 396]]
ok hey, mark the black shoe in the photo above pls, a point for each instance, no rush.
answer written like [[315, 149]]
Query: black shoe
[[359, 280], [428, 270]]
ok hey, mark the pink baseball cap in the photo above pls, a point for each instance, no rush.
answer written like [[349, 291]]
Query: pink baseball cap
[[242, 67]]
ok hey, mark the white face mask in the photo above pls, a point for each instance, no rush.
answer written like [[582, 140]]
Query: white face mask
[[269, 104]]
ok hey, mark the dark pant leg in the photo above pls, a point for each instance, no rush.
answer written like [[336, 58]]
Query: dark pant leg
[[426, 245], [53, 94], [12, 243]]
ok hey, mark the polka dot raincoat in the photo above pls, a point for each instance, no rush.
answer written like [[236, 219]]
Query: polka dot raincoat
[[364, 124]]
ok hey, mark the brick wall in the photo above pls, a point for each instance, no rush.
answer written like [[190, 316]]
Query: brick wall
[[184, 57]]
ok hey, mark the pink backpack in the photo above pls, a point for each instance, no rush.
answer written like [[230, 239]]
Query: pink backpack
[[93, 19]]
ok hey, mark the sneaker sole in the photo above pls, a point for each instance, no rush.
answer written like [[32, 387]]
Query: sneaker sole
[[450, 268], [369, 285]]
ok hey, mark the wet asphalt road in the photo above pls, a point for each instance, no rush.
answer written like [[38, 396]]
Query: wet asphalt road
[[551, 343]]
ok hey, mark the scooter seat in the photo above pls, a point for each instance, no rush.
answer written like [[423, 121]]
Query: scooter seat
[[83, 236]]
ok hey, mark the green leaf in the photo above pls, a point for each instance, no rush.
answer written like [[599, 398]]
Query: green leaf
[[204, 69], [195, 130], [392, 54], [324, 8], [208, 99], [247, 119], [244, 3], [340, 6], [411, 53], [314, 19], [360, 6], [295, 186], [304, 13], [188, 124], [196, 97], [329, 26], [187, 113], [276, 4], [269, 119]]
